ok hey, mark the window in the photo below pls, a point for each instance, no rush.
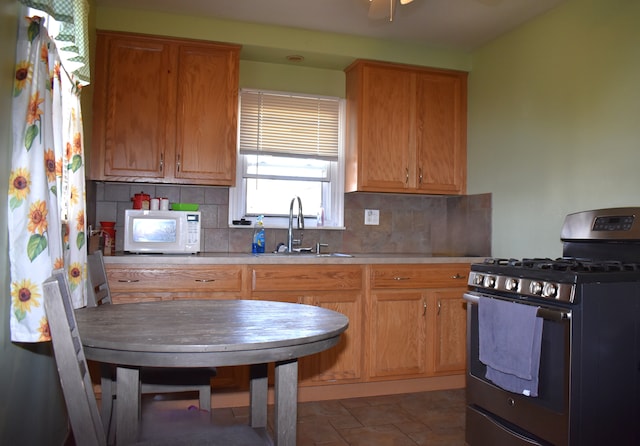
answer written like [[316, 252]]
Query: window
[[289, 145]]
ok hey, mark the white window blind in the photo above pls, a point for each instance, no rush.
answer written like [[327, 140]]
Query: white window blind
[[289, 125]]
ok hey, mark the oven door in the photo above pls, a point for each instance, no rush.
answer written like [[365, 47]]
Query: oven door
[[495, 414]]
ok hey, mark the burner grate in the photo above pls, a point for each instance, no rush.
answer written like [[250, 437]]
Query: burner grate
[[571, 264]]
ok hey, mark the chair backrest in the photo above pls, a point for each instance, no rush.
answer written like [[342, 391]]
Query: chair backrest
[[99, 293], [71, 363]]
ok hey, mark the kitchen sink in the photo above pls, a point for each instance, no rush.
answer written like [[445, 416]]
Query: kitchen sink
[[301, 254]]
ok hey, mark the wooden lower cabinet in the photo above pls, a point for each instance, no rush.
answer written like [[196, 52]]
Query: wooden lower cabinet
[[143, 283], [449, 331], [139, 282], [407, 322], [414, 331], [397, 334], [335, 287]]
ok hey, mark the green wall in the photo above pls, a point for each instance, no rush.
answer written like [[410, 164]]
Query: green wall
[[554, 122], [264, 49], [31, 407]]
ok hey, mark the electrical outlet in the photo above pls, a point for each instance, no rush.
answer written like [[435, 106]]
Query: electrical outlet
[[371, 217]]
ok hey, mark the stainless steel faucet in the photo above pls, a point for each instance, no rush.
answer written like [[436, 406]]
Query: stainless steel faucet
[[300, 223]]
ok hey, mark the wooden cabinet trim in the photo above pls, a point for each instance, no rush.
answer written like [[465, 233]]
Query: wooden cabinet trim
[[306, 278], [185, 279], [419, 276]]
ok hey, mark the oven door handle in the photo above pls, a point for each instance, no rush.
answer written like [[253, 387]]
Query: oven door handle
[[544, 313]]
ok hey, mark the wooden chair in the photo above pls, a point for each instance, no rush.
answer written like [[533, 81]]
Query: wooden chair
[[72, 364], [80, 400], [153, 380]]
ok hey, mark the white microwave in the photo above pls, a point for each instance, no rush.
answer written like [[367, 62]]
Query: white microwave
[[166, 232]]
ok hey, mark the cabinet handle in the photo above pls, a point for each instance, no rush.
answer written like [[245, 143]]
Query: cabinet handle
[[424, 307], [420, 176], [161, 161], [439, 307], [178, 162], [401, 278], [205, 280], [458, 276], [128, 280], [406, 180]]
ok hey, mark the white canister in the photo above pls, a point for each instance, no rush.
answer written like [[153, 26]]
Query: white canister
[[164, 204], [155, 204]]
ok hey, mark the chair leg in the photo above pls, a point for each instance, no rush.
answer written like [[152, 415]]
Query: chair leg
[[106, 410], [204, 393]]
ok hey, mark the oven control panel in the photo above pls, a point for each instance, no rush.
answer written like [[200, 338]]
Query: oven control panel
[[563, 292], [602, 224]]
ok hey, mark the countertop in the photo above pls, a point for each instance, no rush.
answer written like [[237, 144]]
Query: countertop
[[284, 259]]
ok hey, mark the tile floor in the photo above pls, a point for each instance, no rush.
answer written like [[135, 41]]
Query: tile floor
[[426, 418]]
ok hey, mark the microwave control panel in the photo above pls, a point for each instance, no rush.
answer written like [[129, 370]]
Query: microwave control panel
[[193, 229]]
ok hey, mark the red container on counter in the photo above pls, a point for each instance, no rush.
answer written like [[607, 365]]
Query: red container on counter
[[109, 233], [141, 201]]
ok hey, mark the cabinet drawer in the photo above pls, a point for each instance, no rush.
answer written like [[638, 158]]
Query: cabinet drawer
[[419, 276], [163, 279], [306, 278]]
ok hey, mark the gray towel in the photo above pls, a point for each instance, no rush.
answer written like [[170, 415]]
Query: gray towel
[[510, 337]]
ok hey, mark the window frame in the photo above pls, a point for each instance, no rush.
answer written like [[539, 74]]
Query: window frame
[[333, 202]]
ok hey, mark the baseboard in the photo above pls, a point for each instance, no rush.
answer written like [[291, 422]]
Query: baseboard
[[222, 399]]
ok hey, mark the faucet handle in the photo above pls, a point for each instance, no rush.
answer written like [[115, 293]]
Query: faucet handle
[[321, 245]]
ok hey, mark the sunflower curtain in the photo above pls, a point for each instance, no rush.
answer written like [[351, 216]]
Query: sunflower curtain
[[47, 185]]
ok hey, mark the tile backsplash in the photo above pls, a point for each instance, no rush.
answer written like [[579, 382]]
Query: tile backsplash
[[430, 225]]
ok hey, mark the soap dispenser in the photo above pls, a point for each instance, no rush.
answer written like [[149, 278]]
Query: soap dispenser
[[257, 246]]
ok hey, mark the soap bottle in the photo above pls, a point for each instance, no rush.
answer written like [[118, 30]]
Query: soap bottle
[[257, 246]]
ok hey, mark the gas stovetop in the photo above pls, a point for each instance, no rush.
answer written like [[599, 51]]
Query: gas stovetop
[[549, 279], [599, 246], [571, 264]]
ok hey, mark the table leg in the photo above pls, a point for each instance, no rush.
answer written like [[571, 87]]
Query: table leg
[[127, 405], [258, 390], [286, 402]]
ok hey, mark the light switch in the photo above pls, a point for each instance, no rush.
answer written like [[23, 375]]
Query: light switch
[[371, 217]]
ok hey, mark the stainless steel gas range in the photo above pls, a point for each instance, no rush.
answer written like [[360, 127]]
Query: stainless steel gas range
[[568, 329]]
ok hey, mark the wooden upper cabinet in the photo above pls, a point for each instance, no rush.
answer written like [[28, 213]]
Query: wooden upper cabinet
[[134, 117], [441, 132], [406, 129], [207, 104], [383, 127], [165, 110]]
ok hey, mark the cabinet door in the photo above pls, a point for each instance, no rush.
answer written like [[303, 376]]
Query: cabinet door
[[441, 132], [449, 330], [343, 362], [207, 101], [138, 96], [386, 160], [335, 287], [396, 334]]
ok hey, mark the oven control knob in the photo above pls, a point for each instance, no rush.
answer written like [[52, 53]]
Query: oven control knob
[[490, 281], [550, 290], [478, 279], [511, 284], [535, 288]]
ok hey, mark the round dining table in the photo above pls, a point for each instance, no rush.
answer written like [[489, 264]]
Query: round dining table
[[209, 333]]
